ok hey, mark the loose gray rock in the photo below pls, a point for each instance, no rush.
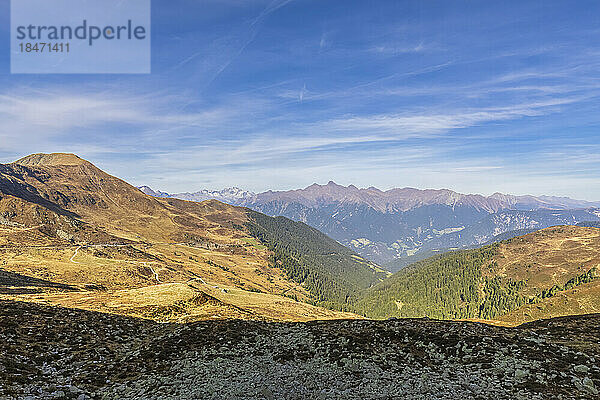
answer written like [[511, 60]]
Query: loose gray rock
[[82, 355], [582, 369]]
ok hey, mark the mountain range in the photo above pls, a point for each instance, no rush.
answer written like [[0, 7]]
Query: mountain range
[[398, 226], [403, 199], [74, 236]]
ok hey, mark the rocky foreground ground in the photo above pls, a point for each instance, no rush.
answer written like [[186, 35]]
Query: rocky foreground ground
[[48, 352]]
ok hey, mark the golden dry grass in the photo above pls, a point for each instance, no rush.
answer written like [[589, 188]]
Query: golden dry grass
[[73, 224], [125, 282], [584, 299], [546, 258], [550, 256], [181, 302]]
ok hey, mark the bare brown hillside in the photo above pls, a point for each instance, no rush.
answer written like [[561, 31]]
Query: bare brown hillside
[[550, 258], [64, 221]]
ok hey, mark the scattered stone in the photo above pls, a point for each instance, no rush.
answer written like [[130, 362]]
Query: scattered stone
[[268, 394], [521, 374], [73, 389], [589, 386], [581, 369], [79, 355]]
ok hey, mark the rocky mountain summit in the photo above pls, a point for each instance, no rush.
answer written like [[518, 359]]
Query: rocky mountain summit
[[72, 354]]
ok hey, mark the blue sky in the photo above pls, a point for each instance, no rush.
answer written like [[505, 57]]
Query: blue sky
[[477, 97]]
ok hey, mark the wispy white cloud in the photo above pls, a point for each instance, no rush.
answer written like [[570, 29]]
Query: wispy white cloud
[[49, 115], [394, 49], [65, 117], [426, 124], [323, 43]]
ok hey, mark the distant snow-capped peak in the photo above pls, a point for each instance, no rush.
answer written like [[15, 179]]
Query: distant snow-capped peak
[[232, 195]]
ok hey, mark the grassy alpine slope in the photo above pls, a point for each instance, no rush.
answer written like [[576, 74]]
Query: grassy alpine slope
[[547, 273], [65, 222]]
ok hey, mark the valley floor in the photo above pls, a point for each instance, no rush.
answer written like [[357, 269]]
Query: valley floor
[[54, 352]]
